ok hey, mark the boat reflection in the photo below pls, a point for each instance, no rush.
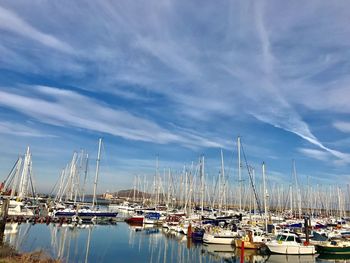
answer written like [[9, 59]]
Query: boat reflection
[[14, 234], [251, 255], [127, 243], [219, 252], [63, 240], [274, 258], [334, 258]]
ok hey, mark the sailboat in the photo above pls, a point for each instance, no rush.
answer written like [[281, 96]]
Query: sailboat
[[18, 186], [85, 212]]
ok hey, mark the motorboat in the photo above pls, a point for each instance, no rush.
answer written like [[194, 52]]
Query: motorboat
[[290, 243], [334, 247], [253, 239], [152, 218], [18, 208]]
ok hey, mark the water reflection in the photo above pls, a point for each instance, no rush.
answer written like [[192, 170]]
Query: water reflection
[[219, 252], [124, 243], [291, 258], [251, 255], [334, 258]]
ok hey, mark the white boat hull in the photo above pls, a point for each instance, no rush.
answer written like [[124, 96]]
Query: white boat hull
[[291, 249], [216, 239]]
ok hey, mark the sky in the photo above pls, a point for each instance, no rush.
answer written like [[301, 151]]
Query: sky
[[177, 80]]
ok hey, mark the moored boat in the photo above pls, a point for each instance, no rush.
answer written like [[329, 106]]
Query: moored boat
[[18, 208], [252, 240], [220, 236], [334, 247], [152, 218], [136, 219], [290, 244]]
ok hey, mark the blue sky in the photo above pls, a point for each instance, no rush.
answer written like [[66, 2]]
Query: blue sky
[[176, 79]]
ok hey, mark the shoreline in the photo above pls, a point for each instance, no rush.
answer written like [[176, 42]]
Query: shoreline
[[8, 254]]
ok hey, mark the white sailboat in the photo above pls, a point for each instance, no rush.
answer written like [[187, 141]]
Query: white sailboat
[[218, 235], [85, 212]]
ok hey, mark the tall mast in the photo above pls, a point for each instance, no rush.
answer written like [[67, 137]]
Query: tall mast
[[85, 175], [134, 192], [17, 173], [25, 174], [223, 193], [339, 203], [308, 196], [265, 194], [239, 172], [202, 185], [250, 196], [158, 181], [297, 189], [169, 189], [291, 199], [97, 170], [254, 206]]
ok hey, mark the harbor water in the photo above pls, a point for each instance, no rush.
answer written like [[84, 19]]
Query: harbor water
[[121, 242]]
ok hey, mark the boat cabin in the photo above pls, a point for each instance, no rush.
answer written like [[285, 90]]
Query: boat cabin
[[288, 237]]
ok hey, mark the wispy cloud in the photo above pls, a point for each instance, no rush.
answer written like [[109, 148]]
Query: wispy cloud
[[278, 111], [316, 154], [67, 108], [11, 22], [342, 126], [171, 74], [18, 129]]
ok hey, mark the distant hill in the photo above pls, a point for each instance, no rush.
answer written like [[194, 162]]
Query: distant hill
[[130, 194]]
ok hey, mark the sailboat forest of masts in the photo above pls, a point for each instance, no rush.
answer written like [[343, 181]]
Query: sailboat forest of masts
[[193, 189], [71, 190]]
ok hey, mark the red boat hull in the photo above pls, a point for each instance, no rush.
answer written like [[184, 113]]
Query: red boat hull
[[135, 220]]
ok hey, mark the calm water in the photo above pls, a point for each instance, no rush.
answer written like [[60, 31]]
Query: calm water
[[124, 243]]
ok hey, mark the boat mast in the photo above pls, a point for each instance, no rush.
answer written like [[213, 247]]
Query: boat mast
[[265, 194], [202, 185], [254, 204], [250, 196], [97, 170], [297, 189], [291, 199], [85, 175], [239, 172], [23, 190], [169, 189], [17, 173], [223, 193], [134, 190], [339, 203]]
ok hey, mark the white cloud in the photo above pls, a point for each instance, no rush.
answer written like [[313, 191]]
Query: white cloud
[[68, 108], [316, 154], [19, 129], [204, 69], [11, 22], [342, 126]]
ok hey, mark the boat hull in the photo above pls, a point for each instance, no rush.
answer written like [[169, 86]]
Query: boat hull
[[135, 220], [248, 244], [290, 249], [97, 214], [333, 250], [214, 239]]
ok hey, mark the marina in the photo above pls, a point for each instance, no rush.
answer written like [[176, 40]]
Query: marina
[[182, 218], [174, 131]]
